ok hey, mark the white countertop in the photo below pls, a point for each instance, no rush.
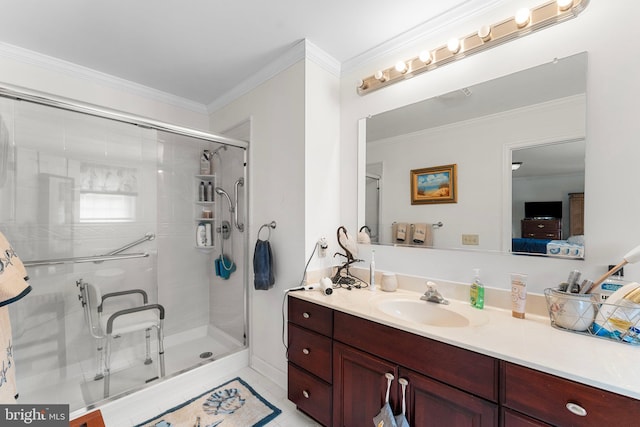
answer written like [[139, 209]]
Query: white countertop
[[530, 342]]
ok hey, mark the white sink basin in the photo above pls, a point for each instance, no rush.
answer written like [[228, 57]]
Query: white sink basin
[[432, 314]]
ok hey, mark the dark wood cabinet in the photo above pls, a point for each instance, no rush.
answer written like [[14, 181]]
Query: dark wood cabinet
[[310, 349], [561, 402], [576, 214], [337, 366], [542, 229], [360, 386], [432, 403]]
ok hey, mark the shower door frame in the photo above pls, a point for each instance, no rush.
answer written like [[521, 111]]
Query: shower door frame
[[54, 101]]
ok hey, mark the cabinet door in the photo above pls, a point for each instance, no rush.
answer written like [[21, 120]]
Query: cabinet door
[[359, 386], [432, 403]]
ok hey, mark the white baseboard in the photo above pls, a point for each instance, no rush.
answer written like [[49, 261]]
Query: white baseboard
[[269, 371]]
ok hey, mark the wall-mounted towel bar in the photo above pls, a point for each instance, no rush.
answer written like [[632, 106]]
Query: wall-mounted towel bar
[[269, 226], [74, 260]]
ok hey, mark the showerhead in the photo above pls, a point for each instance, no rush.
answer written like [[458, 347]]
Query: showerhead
[[221, 192]]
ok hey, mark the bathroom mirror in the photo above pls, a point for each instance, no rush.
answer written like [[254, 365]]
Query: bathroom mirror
[[538, 113]]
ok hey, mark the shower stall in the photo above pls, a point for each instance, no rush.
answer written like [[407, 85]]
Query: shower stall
[[98, 205]]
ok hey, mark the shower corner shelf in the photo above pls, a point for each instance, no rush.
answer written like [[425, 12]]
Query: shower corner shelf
[[200, 206]]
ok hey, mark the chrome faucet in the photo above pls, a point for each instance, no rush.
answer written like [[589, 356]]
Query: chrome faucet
[[432, 295]]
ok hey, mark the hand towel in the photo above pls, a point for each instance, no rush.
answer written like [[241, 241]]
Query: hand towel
[[263, 266], [419, 233], [401, 231]]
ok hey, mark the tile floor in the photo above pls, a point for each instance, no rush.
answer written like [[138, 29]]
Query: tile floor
[[148, 403]]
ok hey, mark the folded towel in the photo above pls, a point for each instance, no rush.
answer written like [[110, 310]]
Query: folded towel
[[263, 266], [363, 237], [419, 233], [401, 231]]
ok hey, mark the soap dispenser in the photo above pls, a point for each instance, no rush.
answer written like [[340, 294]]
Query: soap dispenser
[[476, 292]]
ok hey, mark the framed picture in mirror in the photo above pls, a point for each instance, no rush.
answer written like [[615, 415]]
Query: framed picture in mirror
[[434, 185]]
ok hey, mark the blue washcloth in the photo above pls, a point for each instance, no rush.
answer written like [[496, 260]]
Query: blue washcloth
[[263, 266], [224, 267]]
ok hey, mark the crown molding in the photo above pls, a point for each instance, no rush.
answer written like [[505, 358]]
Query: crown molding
[[427, 29], [303, 49], [76, 71]]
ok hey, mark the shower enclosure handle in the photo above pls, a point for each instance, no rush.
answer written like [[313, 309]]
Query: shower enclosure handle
[[239, 226]]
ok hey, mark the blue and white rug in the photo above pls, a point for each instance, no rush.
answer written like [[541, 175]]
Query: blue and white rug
[[232, 404]]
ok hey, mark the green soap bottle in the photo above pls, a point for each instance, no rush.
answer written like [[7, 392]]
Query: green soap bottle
[[476, 292]]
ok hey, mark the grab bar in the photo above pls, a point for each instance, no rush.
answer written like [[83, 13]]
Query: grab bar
[[148, 236], [239, 226], [94, 258]]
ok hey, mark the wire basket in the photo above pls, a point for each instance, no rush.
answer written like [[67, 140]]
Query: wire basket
[[585, 314]]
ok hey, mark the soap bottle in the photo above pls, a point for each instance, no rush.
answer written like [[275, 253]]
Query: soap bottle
[[372, 272], [476, 292]]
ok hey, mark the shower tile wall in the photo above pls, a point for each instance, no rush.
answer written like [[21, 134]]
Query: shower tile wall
[[184, 271]]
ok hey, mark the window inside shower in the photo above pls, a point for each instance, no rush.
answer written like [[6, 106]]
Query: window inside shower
[[75, 186]]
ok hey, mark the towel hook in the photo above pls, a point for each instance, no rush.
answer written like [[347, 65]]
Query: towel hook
[[438, 224], [269, 226]]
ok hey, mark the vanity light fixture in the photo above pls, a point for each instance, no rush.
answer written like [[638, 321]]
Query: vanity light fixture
[[525, 22], [401, 67], [485, 33], [453, 45], [515, 166], [522, 18], [380, 76], [564, 4], [425, 56]]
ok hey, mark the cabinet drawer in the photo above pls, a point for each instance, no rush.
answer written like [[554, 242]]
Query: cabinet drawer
[[464, 369], [311, 316], [546, 397], [310, 394], [310, 351]]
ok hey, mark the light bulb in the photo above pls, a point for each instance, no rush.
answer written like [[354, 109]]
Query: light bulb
[[522, 17], [485, 33], [401, 67], [361, 84], [425, 56], [564, 4], [379, 75], [453, 45]]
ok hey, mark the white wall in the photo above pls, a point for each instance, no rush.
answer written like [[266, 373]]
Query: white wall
[[612, 149], [294, 180], [276, 188]]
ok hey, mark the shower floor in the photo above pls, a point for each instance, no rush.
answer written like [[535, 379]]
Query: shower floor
[[77, 387]]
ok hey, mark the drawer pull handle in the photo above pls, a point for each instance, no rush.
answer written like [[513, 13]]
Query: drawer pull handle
[[306, 315], [576, 409], [305, 351], [540, 225], [305, 393]]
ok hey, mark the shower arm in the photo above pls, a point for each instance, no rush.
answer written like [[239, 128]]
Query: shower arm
[[239, 226]]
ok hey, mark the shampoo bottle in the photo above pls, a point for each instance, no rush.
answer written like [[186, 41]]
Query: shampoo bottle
[[476, 293], [201, 192], [209, 192], [372, 272]]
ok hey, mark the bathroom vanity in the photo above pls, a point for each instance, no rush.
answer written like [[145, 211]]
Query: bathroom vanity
[[341, 346]]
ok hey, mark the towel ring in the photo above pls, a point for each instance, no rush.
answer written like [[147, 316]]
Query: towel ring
[[269, 226]]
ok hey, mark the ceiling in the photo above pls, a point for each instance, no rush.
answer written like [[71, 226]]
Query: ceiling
[[201, 49]]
